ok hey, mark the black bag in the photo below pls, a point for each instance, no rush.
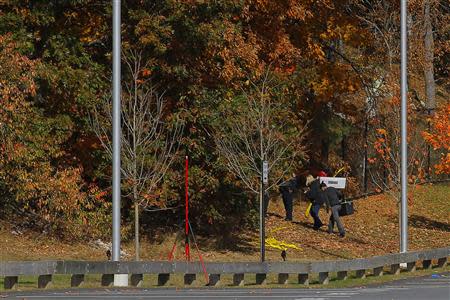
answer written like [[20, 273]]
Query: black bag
[[346, 209]]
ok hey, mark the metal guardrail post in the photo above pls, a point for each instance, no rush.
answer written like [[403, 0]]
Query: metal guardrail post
[[76, 280], [238, 279], [44, 281], [11, 282]]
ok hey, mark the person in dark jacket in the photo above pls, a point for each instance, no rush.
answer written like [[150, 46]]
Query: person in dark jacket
[[317, 197], [333, 197], [286, 189]]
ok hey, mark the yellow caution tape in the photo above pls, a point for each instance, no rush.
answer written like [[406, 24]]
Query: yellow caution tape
[[281, 245], [278, 229], [339, 171]]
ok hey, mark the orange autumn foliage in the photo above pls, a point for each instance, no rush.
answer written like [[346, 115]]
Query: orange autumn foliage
[[386, 156], [45, 192], [439, 138]]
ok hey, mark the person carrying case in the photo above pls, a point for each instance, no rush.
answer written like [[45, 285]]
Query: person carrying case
[[346, 208]]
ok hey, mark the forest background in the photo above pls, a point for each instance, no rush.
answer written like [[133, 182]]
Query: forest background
[[333, 68]]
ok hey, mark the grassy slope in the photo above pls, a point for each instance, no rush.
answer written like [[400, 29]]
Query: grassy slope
[[372, 230]]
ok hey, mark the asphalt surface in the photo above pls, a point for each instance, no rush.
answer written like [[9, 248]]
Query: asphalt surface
[[434, 287]]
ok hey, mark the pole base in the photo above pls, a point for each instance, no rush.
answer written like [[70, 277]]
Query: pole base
[[120, 279]]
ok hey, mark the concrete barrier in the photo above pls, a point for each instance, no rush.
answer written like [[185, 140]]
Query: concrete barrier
[[44, 270]]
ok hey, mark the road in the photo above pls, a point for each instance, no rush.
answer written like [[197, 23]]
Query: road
[[428, 287]]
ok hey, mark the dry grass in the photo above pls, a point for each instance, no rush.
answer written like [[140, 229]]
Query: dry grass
[[372, 230]]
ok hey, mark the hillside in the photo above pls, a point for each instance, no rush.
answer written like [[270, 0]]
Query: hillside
[[372, 230]]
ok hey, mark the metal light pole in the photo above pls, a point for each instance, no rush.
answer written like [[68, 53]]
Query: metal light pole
[[119, 279], [262, 210], [116, 133], [404, 151]]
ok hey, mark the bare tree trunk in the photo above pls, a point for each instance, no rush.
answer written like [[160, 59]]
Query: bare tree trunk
[[429, 70], [261, 197], [430, 89], [366, 154]]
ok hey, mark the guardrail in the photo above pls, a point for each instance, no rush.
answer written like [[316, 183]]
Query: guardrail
[[78, 269]]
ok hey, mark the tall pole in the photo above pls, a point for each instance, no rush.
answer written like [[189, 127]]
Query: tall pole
[[119, 279], [186, 219], [404, 153], [262, 209], [116, 133], [261, 223]]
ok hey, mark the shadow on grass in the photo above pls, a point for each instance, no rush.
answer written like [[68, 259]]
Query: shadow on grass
[[303, 224], [223, 242], [227, 242], [271, 214], [356, 240], [324, 229], [330, 253], [426, 223]]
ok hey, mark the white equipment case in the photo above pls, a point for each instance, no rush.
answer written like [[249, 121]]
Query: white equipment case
[[336, 182]]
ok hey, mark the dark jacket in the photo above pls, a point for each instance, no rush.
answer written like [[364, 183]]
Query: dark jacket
[[315, 194], [333, 196], [288, 186]]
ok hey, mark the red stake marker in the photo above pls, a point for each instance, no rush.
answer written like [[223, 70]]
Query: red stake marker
[[187, 212]]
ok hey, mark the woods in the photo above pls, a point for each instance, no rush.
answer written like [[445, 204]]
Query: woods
[[334, 71]]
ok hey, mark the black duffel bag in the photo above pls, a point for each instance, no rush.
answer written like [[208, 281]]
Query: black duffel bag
[[346, 208]]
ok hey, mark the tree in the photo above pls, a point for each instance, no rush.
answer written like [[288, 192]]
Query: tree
[[386, 143], [386, 160], [258, 126], [439, 138], [36, 184], [149, 136]]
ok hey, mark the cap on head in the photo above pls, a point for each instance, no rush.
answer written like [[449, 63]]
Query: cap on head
[[322, 174]]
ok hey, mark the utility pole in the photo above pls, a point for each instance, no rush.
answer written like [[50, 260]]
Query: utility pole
[[119, 279], [404, 151], [262, 210], [186, 219]]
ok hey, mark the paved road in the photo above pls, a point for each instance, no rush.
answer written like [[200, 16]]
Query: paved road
[[436, 288]]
